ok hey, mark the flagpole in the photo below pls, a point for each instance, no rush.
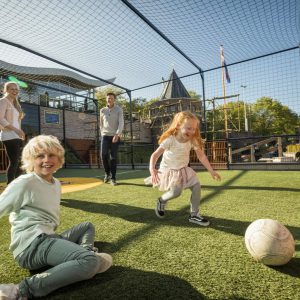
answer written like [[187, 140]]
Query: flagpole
[[224, 90]]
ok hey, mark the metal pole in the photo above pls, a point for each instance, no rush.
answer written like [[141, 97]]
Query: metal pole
[[245, 109], [131, 129], [97, 130], [204, 106], [239, 113], [64, 132], [224, 96]]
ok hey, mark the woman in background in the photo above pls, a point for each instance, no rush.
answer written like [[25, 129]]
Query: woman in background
[[11, 133]]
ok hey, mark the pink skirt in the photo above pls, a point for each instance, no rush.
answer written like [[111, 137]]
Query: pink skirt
[[182, 178]]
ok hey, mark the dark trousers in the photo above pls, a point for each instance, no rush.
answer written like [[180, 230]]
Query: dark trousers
[[109, 151], [13, 152]]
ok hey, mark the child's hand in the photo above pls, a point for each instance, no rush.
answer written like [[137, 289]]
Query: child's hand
[[215, 176], [154, 176]]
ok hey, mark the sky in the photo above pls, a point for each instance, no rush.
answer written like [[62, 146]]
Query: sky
[[107, 39]]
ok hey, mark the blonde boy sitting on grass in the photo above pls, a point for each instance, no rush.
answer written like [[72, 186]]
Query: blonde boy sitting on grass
[[32, 202]]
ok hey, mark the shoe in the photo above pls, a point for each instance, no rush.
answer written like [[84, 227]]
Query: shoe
[[160, 208], [106, 179], [95, 249], [113, 182], [199, 220], [10, 292], [106, 262]]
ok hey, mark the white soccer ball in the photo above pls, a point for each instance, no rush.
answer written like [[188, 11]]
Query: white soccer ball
[[269, 242]]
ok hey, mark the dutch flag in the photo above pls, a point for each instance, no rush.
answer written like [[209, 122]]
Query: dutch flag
[[224, 64]]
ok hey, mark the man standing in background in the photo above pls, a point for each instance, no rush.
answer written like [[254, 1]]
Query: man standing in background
[[111, 126]]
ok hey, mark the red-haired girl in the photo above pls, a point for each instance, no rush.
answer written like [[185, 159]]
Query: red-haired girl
[[174, 174]]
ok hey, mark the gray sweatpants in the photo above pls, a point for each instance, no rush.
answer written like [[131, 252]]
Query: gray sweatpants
[[69, 255], [194, 200]]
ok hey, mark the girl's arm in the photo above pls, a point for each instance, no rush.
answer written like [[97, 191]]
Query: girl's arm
[[153, 160], [204, 161]]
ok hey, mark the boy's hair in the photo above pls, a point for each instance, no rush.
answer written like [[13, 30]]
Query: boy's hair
[[111, 94], [178, 120], [16, 101], [47, 143]]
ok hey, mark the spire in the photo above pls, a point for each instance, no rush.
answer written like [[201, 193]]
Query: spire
[[174, 88]]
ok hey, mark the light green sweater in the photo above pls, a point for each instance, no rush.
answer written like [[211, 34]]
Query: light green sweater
[[33, 207]]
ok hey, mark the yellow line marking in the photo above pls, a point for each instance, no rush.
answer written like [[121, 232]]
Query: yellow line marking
[[71, 184], [74, 184]]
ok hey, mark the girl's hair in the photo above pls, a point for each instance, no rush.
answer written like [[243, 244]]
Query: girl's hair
[[47, 143], [177, 121], [16, 102]]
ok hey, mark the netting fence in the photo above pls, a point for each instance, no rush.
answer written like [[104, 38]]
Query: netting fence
[[64, 51]]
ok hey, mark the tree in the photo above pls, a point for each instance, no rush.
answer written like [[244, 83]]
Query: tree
[[138, 105], [269, 116], [235, 120], [194, 94], [266, 117], [101, 94]]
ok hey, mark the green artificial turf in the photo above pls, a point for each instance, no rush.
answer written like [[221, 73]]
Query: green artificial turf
[[172, 258]]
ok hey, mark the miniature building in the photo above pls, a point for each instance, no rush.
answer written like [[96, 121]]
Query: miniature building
[[141, 131], [174, 98]]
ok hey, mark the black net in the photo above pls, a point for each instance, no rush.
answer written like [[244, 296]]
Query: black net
[[64, 51]]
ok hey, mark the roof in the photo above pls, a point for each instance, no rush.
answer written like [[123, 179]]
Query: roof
[[174, 88], [50, 75]]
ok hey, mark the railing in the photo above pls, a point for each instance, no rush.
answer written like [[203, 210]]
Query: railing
[[255, 145], [3, 159]]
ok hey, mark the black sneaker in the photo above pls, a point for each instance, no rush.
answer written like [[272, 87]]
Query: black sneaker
[[106, 179], [113, 182], [160, 208], [199, 220]]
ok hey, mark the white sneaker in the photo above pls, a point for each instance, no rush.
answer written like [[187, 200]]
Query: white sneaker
[[10, 292], [106, 262]]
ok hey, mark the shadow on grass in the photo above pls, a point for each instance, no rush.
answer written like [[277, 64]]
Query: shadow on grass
[[127, 283], [136, 184], [255, 188], [292, 268], [173, 218], [99, 173]]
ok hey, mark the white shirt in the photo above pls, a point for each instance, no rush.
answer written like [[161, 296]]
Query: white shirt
[[6, 135], [176, 154]]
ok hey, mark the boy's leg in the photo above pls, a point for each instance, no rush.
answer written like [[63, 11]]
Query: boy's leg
[[82, 234], [71, 263]]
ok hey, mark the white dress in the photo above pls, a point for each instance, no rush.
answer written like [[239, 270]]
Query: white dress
[[174, 170]]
